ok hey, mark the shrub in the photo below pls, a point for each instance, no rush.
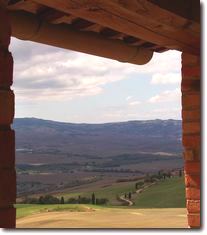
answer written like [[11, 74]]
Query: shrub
[[139, 184], [48, 199], [72, 200], [30, 200], [101, 201]]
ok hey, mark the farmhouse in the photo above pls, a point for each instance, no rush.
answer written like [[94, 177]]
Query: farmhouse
[[127, 31]]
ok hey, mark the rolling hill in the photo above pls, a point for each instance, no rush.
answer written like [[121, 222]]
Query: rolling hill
[[54, 156]]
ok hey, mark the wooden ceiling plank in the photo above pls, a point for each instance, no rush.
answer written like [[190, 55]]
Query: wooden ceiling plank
[[150, 10], [189, 9], [113, 15]]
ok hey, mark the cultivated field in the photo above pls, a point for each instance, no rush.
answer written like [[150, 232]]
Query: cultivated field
[[61, 156], [161, 205], [107, 218]]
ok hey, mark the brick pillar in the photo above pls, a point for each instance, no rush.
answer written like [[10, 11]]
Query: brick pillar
[[191, 115], [7, 138]]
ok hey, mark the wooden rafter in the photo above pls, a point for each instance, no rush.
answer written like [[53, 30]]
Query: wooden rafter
[[81, 24], [29, 6], [63, 19], [55, 17], [141, 19], [93, 28]]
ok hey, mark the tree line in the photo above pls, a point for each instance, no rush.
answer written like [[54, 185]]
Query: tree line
[[50, 199]]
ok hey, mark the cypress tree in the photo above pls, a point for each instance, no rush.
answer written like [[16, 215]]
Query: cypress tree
[[93, 198], [62, 200]]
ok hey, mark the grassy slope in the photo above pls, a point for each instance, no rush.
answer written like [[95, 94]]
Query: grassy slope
[[109, 192], [166, 194], [169, 193]]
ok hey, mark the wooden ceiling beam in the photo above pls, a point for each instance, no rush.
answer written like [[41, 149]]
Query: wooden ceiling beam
[[27, 26], [141, 19]]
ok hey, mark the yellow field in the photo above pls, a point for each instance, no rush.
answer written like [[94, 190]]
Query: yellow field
[[108, 218]]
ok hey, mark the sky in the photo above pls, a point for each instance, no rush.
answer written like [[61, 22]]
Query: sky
[[63, 85]]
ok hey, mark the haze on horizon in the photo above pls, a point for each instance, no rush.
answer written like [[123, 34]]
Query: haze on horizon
[[61, 85], [91, 123]]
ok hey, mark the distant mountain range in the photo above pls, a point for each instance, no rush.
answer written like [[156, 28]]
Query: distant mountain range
[[98, 139]]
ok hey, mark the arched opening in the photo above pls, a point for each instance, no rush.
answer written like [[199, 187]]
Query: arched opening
[[122, 153], [135, 32]]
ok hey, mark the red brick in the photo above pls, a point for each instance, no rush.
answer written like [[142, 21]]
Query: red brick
[[191, 127], [194, 220], [6, 69], [193, 206], [191, 72], [191, 115], [5, 28], [7, 149], [191, 154], [188, 155], [7, 217], [193, 180], [192, 193], [190, 85], [191, 140], [191, 100], [192, 167], [6, 107], [190, 60], [7, 187]]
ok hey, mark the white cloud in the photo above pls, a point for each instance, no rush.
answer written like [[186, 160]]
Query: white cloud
[[129, 98], [168, 78], [166, 96], [134, 103], [43, 73], [131, 102], [48, 73], [163, 63]]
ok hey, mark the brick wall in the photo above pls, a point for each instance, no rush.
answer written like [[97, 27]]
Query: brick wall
[[7, 136], [191, 115]]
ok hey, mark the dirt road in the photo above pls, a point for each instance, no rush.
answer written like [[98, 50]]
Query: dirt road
[[108, 218]]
